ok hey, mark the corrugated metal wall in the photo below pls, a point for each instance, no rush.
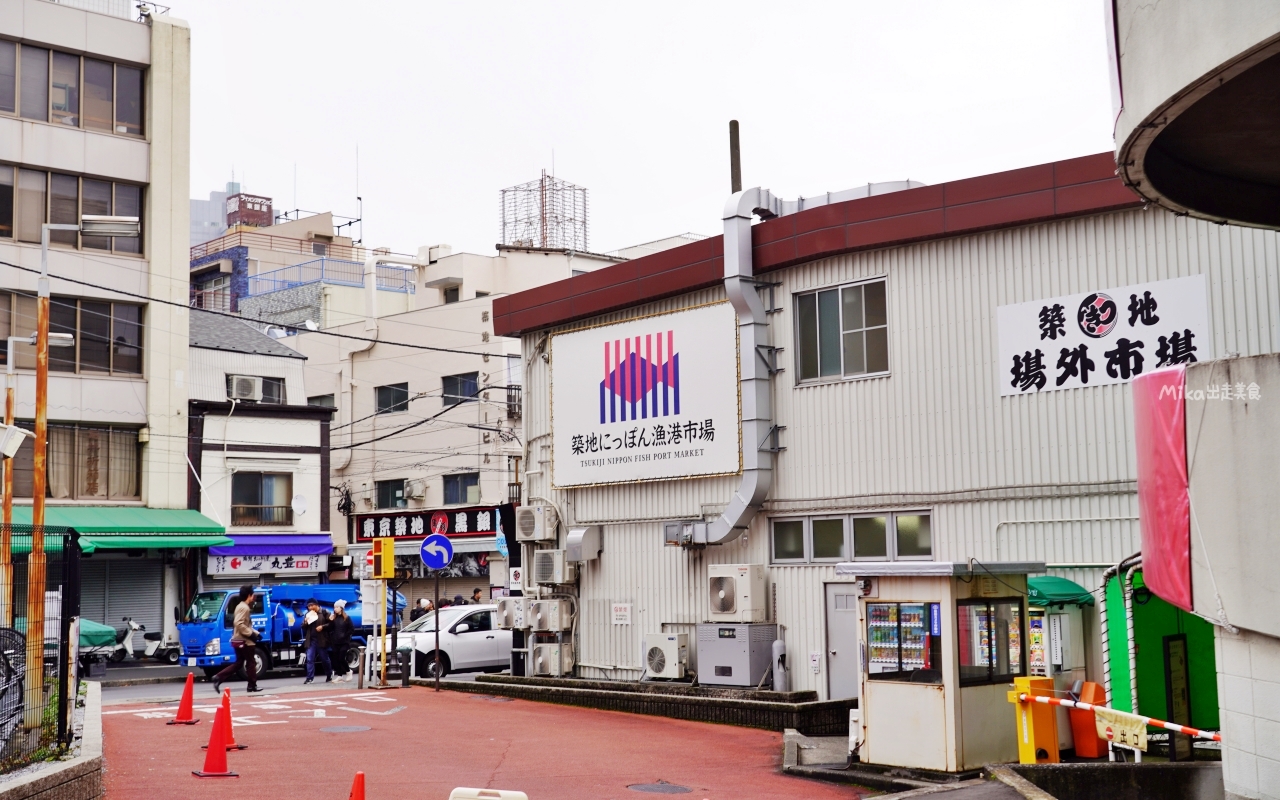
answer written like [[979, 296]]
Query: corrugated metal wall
[[1045, 477]]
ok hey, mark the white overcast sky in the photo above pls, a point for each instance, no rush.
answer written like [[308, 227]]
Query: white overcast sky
[[450, 102]]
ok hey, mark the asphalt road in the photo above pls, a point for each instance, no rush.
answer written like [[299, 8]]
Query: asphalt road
[[416, 743]]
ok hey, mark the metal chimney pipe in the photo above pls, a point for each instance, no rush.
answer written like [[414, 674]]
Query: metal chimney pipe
[[735, 158]]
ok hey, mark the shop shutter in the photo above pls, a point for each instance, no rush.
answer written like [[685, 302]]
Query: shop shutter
[[93, 591], [135, 589]]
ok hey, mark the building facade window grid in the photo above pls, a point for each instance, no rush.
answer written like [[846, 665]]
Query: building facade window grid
[[462, 488], [390, 398], [261, 498], [44, 85], [108, 336], [85, 462], [390, 494], [30, 197], [460, 388], [842, 332], [890, 536]]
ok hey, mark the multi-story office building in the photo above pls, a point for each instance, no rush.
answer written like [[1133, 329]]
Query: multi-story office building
[[95, 120]]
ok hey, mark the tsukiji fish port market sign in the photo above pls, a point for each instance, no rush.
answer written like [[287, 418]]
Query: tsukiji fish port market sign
[[1102, 337], [648, 399]]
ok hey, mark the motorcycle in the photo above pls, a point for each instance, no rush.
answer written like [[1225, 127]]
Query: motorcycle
[[124, 640]]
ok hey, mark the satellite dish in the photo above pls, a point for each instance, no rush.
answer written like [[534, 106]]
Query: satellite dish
[[299, 505], [310, 325]]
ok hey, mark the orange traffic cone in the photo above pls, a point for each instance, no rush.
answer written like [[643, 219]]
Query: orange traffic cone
[[229, 730], [185, 715], [215, 760], [357, 787]]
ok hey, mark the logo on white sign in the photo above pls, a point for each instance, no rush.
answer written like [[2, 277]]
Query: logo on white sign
[[646, 399]]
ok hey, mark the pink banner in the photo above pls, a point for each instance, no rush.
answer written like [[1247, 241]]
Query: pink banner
[[1164, 505]]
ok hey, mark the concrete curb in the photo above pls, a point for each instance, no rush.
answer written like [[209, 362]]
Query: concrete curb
[[817, 718], [78, 778], [1018, 783], [110, 684]]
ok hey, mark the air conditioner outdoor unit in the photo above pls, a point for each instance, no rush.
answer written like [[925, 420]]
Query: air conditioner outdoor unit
[[415, 488], [536, 524], [552, 659], [737, 592], [550, 615], [245, 387], [666, 655], [550, 566], [512, 612]]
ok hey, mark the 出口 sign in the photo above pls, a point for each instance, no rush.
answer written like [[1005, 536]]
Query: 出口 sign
[[1097, 338], [279, 565], [646, 399]]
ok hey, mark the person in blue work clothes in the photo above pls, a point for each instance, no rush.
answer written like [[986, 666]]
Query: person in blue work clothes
[[317, 640]]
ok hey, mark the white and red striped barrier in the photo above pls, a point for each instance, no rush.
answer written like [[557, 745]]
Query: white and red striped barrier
[[1158, 723]]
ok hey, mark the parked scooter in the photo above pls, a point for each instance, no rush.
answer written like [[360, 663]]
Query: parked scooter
[[124, 640]]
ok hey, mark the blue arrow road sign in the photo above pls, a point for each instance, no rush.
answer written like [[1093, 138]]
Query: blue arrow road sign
[[436, 551]]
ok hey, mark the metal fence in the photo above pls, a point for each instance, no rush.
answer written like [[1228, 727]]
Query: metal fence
[[38, 670], [333, 271]]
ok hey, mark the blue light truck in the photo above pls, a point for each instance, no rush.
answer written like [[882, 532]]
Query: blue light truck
[[278, 611]]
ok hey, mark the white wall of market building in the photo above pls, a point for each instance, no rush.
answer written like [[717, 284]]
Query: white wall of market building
[[997, 474]]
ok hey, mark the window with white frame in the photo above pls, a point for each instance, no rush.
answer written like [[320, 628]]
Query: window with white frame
[[842, 332], [889, 536]]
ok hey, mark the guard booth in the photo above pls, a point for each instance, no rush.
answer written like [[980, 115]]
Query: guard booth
[[943, 642]]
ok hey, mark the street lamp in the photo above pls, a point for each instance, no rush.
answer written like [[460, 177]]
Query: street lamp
[[92, 225]]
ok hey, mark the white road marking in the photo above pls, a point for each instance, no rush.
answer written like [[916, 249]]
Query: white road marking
[[386, 713]]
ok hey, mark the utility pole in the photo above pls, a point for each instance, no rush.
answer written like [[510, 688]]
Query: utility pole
[[735, 158], [118, 226], [36, 561]]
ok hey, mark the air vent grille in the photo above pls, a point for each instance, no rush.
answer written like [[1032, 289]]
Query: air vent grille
[[723, 595], [657, 660]]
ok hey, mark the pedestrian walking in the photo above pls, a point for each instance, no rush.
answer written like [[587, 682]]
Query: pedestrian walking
[[317, 641], [341, 629], [243, 641], [424, 605], [458, 601], [476, 597]]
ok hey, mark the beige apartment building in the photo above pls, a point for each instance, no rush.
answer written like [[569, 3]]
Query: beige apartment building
[[95, 119], [430, 430]]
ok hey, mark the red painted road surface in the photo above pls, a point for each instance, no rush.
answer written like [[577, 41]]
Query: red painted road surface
[[421, 745]]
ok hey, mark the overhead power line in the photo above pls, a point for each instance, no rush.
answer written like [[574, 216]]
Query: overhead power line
[[242, 319]]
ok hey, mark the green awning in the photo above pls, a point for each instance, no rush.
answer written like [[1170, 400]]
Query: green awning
[[1049, 590], [130, 527]]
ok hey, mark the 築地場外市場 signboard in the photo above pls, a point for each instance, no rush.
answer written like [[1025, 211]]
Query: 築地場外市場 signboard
[[1102, 336], [652, 398]]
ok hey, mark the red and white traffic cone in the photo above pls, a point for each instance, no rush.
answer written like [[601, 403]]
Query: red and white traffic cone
[[229, 733], [185, 710], [357, 787], [215, 759]]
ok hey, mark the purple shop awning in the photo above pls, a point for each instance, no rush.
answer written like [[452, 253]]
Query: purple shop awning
[[276, 544]]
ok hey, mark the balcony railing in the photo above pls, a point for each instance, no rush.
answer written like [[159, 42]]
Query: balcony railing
[[332, 271], [212, 299], [514, 404], [513, 493], [284, 244], [261, 515]]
